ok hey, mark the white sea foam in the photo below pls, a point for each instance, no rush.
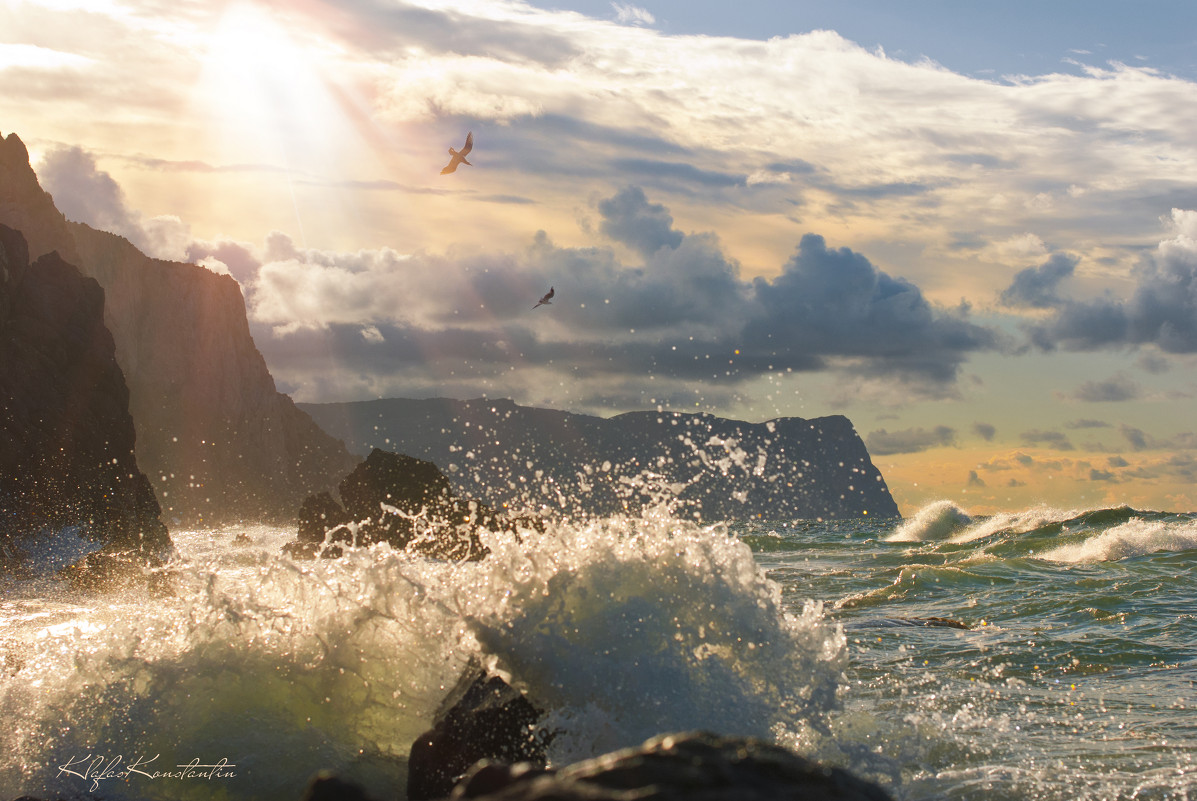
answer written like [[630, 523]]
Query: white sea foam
[[934, 522], [1012, 523], [620, 628], [1135, 537]]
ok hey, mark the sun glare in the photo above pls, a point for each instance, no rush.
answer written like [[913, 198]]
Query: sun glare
[[263, 95]]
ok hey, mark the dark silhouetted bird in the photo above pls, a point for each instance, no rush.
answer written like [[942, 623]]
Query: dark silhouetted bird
[[459, 156], [547, 299]]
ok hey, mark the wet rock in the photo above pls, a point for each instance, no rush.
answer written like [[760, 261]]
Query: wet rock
[[695, 766], [66, 436], [482, 718], [400, 500], [329, 787]]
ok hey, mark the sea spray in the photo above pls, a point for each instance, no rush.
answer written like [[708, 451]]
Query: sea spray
[[620, 628], [628, 627]]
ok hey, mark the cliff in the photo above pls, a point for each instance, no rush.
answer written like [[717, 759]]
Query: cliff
[[66, 436], [519, 457], [217, 439]]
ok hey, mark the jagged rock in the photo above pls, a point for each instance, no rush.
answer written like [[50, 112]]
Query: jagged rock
[[695, 766], [326, 786], [66, 437], [482, 718], [514, 456], [217, 439], [403, 501]]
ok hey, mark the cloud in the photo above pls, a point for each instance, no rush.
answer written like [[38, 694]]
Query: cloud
[[1141, 441], [646, 227], [985, 431], [975, 480], [837, 304], [1051, 439], [1102, 475], [1036, 286], [1161, 311], [1117, 461], [628, 14], [84, 193], [682, 314], [1112, 390], [910, 440], [1086, 423]]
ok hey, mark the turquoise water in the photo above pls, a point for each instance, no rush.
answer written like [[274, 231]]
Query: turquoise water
[[1075, 678]]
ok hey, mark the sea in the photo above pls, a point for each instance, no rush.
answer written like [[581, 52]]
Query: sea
[[1041, 654]]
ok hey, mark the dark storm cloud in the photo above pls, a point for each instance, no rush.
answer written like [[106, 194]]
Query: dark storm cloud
[[910, 440], [834, 302], [1162, 310], [1036, 286], [646, 227], [682, 314]]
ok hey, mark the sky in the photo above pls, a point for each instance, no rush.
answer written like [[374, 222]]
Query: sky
[[969, 227]]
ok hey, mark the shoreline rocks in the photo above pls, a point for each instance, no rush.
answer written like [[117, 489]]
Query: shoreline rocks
[[67, 438], [403, 501]]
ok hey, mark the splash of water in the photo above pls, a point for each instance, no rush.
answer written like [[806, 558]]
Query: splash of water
[[621, 628]]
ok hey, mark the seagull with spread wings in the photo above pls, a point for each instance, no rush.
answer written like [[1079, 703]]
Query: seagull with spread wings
[[459, 156], [546, 300]]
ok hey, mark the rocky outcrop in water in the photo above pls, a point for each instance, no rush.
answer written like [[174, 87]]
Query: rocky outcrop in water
[[519, 457], [694, 766], [66, 437], [403, 501], [482, 718], [216, 438]]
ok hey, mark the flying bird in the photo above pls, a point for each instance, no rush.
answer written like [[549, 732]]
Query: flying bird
[[459, 156], [546, 300]]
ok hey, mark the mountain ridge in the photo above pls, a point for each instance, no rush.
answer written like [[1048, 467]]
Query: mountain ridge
[[516, 456]]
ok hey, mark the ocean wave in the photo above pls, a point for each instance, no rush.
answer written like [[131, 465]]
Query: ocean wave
[[934, 522], [1136, 537], [621, 628]]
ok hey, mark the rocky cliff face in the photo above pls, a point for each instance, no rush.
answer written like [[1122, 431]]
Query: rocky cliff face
[[216, 438], [719, 469], [66, 436]]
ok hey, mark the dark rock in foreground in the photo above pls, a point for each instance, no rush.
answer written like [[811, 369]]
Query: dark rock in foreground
[[66, 435], [482, 718], [695, 766], [400, 500], [520, 457]]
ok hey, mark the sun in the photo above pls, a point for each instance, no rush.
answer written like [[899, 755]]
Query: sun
[[264, 94]]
